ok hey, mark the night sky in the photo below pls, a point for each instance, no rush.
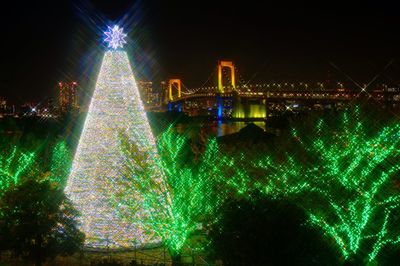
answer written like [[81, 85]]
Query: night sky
[[45, 42]]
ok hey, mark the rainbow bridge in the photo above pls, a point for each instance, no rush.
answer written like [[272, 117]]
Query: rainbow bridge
[[255, 101]]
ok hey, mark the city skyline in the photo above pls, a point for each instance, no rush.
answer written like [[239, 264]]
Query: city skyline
[[270, 42]]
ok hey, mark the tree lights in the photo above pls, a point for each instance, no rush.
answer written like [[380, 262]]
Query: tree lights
[[19, 165], [60, 164], [13, 166], [181, 198], [133, 191], [96, 173], [356, 174], [345, 181]]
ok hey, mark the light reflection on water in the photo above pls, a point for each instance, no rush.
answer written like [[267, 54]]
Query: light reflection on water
[[215, 128]]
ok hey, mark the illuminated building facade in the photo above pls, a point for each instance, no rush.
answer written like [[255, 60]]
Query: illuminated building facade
[[68, 97], [151, 98], [164, 92], [3, 105]]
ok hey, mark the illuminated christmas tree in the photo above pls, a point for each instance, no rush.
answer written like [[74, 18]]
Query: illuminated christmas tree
[[96, 172]]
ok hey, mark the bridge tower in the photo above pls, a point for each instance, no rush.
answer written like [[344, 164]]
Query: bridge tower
[[178, 84], [226, 64]]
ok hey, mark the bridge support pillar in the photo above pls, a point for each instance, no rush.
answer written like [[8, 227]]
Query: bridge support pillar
[[230, 65], [178, 84], [220, 106]]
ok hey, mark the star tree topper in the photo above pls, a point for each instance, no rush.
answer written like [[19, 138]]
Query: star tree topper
[[115, 37]]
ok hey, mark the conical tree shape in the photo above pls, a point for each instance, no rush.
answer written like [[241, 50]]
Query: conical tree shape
[[96, 171]]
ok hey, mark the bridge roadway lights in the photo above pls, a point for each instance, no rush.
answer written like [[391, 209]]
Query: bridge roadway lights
[[170, 106]]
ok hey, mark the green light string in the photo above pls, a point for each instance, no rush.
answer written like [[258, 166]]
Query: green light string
[[343, 186], [13, 166], [343, 179], [179, 199], [17, 164], [60, 164]]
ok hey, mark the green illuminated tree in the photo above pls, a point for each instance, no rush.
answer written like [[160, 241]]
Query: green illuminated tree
[[17, 164], [179, 197], [13, 165], [344, 177], [60, 164]]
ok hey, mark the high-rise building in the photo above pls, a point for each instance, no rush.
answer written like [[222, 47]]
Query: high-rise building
[[3, 107], [68, 97], [150, 97], [145, 89], [164, 92], [3, 104]]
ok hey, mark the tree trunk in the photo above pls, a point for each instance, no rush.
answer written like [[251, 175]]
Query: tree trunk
[[38, 261], [176, 259], [38, 252]]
